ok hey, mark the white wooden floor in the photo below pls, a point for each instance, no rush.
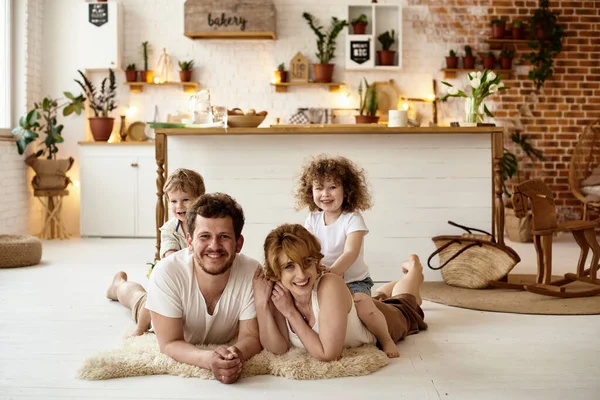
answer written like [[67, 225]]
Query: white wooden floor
[[54, 315]]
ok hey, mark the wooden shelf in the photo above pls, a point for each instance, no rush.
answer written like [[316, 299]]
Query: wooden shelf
[[496, 44], [138, 87], [451, 73], [283, 87]]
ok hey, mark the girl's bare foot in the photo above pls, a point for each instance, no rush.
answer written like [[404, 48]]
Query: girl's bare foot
[[389, 348], [119, 278]]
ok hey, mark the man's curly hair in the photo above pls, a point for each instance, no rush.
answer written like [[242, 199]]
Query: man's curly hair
[[297, 243], [342, 171]]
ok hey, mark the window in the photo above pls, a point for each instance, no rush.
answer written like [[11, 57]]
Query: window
[[5, 61]]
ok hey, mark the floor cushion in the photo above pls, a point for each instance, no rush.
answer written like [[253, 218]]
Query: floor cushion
[[19, 251]]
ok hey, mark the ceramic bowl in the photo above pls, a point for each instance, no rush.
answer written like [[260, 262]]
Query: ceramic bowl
[[244, 121]]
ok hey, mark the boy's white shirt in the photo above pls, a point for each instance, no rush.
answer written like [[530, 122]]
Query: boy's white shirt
[[173, 292], [333, 239], [172, 236]]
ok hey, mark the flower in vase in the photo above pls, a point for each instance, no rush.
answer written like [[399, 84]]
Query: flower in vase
[[482, 85]]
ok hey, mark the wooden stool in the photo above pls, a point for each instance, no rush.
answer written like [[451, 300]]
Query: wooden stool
[[52, 202]]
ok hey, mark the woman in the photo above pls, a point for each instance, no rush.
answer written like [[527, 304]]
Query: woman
[[297, 305]]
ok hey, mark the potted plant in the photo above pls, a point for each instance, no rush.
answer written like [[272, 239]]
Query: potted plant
[[517, 30], [325, 46], [368, 104], [506, 57], [146, 75], [498, 27], [545, 43], [451, 60], [387, 56], [488, 60], [281, 74], [359, 24], [130, 73], [185, 75], [102, 103], [468, 59], [42, 119]]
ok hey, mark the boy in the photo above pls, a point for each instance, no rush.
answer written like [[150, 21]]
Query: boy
[[182, 187]]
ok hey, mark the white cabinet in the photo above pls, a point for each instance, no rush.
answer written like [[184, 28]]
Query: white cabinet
[[361, 50], [100, 35], [118, 190]]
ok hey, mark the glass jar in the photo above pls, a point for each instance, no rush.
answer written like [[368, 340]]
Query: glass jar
[[473, 113]]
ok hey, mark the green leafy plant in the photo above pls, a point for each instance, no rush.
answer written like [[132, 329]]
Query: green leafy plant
[[510, 160], [546, 45], [325, 40], [452, 53], [387, 39], [489, 54], [145, 52], [281, 67], [43, 119], [101, 102], [186, 65], [370, 101], [507, 53], [498, 22], [130, 67], [517, 24], [361, 19], [468, 51]]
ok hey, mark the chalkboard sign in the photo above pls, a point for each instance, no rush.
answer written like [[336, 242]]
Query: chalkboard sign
[[360, 51], [98, 13]]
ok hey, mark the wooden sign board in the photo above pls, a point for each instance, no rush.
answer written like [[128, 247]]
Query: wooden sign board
[[298, 68], [229, 19]]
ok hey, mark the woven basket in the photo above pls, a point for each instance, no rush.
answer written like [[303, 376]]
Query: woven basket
[[471, 260]]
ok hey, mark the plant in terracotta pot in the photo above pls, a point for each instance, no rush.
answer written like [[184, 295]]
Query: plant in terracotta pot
[[102, 103], [545, 41], [451, 60], [281, 74], [325, 46], [146, 75], [506, 57], [42, 119], [368, 104], [468, 59], [359, 24], [498, 27], [517, 30], [488, 60], [130, 73], [185, 75], [387, 40]]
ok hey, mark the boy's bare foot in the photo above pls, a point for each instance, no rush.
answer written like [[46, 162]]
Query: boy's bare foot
[[389, 348], [119, 278]]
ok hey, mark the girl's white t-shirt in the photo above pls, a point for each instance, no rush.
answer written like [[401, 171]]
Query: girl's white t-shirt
[[333, 239]]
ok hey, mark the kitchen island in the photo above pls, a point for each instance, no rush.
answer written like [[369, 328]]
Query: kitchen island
[[419, 178]]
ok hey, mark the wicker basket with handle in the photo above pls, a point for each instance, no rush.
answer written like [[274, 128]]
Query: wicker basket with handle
[[472, 260]]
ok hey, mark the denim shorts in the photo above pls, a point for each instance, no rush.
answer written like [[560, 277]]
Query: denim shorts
[[363, 286]]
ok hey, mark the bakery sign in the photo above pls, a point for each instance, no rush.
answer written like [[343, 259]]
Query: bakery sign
[[229, 19], [360, 51], [98, 13]]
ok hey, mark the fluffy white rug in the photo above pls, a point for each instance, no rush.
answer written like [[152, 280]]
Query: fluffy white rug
[[140, 356]]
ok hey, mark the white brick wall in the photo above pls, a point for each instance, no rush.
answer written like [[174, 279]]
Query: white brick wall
[[14, 198]]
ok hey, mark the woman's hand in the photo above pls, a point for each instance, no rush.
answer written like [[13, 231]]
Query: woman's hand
[[263, 288], [282, 298]]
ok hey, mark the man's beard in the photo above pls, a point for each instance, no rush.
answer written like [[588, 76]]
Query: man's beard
[[221, 271]]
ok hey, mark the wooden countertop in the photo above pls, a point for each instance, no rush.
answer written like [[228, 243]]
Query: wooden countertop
[[326, 129], [144, 143]]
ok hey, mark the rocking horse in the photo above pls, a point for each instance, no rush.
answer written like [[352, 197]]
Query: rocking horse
[[544, 226]]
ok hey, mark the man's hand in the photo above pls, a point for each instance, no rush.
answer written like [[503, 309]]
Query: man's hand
[[262, 288], [226, 364]]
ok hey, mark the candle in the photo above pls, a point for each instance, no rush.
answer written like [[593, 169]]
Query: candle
[[397, 118]]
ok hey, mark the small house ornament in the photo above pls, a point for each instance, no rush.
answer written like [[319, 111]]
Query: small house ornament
[[298, 68]]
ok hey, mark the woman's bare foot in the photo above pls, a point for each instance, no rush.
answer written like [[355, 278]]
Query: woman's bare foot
[[389, 348], [119, 278]]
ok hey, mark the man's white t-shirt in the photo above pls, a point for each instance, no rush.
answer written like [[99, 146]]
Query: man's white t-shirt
[[333, 239], [173, 292]]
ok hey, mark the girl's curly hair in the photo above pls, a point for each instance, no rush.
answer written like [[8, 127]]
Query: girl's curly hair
[[342, 171]]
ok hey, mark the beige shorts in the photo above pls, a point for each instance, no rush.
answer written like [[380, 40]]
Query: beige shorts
[[138, 305]]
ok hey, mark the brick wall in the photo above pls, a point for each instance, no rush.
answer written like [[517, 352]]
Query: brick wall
[[568, 102], [14, 198]]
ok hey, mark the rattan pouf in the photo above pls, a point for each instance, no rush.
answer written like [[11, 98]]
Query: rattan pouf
[[19, 251]]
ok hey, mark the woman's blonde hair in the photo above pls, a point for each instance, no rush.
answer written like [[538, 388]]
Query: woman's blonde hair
[[342, 171], [297, 243], [185, 180]]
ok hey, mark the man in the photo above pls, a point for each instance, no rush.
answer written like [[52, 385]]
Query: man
[[203, 294]]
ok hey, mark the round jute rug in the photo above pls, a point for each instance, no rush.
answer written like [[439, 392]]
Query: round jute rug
[[511, 301]]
